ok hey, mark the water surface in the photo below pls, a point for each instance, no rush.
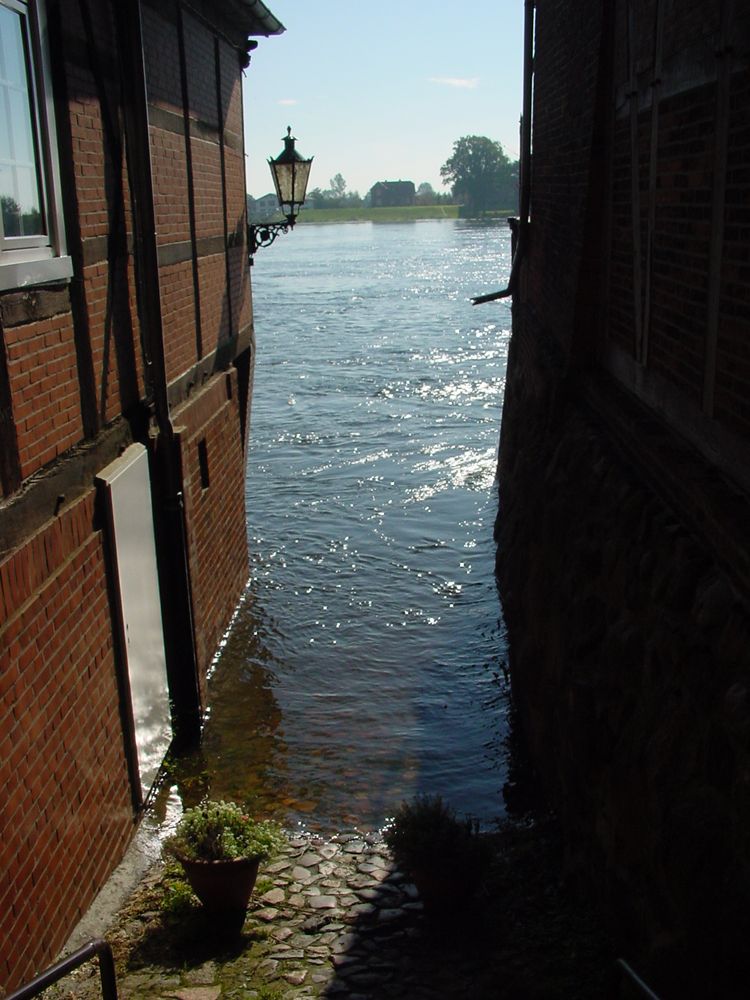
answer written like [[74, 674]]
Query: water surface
[[366, 661]]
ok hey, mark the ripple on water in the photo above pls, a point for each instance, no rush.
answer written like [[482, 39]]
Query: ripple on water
[[366, 663]]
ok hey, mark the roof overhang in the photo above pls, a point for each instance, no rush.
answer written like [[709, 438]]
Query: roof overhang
[[253, 17]]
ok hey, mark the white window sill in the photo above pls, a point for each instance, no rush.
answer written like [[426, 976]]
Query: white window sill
[[23, 273]]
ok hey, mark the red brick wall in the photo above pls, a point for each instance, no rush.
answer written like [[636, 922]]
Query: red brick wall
[[74, 391], [178, 317], [214, 512], [198, 167], [238, 270], [67, 811], [44, 389], [209, 206], [46, 349], [567, 41], [86, 131], [170, 186], [162, 54], [103, 208], [235, 183], [212, 276], [231, 91], [201, 70], [239, 283]]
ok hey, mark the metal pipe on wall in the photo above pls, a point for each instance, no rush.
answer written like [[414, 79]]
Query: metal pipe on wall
[[519, 226], [524, 205]]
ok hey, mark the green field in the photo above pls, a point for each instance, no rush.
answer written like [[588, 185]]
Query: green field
[[407, 213]]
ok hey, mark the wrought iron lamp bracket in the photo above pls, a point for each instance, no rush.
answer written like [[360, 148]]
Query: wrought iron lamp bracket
[[263, 235]]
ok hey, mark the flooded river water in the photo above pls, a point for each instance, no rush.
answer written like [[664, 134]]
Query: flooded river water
[[366, 662]]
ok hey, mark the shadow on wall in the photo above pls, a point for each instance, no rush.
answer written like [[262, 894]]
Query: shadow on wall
[[634, 699]]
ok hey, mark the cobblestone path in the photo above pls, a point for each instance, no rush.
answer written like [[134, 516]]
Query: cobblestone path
[[333, 918]]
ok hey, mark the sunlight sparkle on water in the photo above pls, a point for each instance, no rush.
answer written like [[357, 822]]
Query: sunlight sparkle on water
[[366, 663]]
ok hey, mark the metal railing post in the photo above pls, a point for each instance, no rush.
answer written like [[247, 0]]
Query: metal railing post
[[59, 970]]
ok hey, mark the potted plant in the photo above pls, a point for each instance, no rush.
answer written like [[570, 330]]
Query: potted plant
[[444, 856], [220, 848]]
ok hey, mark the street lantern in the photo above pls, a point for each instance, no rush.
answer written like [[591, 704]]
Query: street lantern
[[290, 172]]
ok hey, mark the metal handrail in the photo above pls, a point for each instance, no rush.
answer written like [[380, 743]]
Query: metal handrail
[[635, 979], [98, 948]]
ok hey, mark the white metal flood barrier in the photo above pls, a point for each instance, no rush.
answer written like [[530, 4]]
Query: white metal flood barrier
[[126, 489]]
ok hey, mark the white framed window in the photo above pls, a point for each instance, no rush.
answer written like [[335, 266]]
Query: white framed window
[[32, 242]]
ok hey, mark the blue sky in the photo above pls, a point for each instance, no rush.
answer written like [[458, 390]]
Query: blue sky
[[382, 91]]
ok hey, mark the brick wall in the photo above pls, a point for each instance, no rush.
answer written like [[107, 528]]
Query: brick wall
[[213, 469], [67, 810], [198, 157], [231, 94], [681, 238], [42, 374], [83, 351], [212, 277], [178, 317], [630, 668], [200, 57], [239, 273], [209, 205], [86, 131], [100, 199], [733, 360], [689, 165], [170, 186], [73, 392], [162, 54], [562, 151], [623, 552]]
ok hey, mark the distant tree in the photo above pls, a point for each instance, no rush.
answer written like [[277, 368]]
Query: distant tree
[[334, 197], [316, 198], [11, 211], [16, 222], [338, 186], [426, 194], [481, 175]]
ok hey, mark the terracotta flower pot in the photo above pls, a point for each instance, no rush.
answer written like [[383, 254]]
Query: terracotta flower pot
[[222, 886]]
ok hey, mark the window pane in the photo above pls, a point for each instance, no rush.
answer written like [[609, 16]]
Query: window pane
[[20, 194]]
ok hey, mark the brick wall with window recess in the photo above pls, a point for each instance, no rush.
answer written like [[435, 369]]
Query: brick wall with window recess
[[32, 246], [203, 463]]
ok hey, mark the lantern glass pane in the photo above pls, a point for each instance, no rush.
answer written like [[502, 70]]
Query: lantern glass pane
[[291, 181], [275, 171], [301, 175]]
